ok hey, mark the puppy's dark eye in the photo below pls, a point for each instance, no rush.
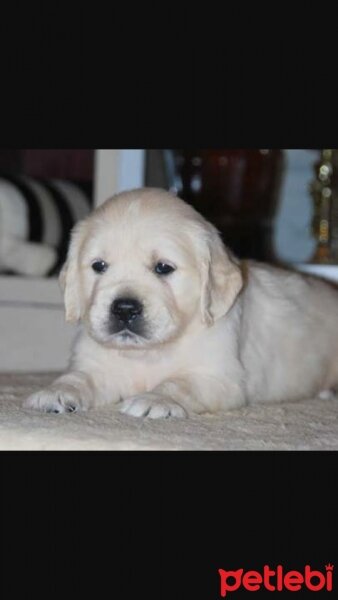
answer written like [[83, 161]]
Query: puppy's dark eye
[[163, 269], [99, 266]]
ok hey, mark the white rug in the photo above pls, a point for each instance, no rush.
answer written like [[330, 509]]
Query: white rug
[[306, 425]]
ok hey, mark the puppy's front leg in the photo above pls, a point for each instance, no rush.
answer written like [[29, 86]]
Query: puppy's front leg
[[181, 396], [69, 393]]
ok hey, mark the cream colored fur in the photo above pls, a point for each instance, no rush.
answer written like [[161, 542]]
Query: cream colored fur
[[221, 333]]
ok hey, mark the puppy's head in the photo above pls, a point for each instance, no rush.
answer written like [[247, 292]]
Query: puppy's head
[[145, 267]]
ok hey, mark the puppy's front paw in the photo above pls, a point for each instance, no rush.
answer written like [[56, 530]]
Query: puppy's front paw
[[56, 400], [153, 406]]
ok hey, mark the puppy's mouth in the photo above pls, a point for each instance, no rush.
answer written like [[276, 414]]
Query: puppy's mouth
[[126, 338], [127, 335], [126, 331]]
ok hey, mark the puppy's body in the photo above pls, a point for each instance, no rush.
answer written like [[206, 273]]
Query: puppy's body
[[289, 335], [211, 335]]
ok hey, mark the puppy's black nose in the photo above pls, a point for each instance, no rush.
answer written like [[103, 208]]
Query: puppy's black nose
[[126, 309]]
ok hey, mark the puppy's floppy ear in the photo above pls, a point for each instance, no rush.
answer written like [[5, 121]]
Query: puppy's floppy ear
[[69, 276], [221, 278]]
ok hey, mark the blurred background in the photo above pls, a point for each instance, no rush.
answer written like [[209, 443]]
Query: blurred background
[[258, 199], [273, 205]]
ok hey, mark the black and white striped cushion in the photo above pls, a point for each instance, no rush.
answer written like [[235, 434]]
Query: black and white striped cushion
[[52, 208]]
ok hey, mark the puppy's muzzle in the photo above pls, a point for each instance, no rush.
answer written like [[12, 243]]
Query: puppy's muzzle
[[126, 310]]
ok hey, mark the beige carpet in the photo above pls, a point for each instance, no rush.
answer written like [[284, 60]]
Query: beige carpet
[[306, 425]]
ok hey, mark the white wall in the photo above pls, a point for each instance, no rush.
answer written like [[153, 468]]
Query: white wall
[[116, 171]]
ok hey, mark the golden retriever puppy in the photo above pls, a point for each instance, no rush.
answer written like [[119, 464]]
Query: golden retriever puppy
[[172, 324]]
